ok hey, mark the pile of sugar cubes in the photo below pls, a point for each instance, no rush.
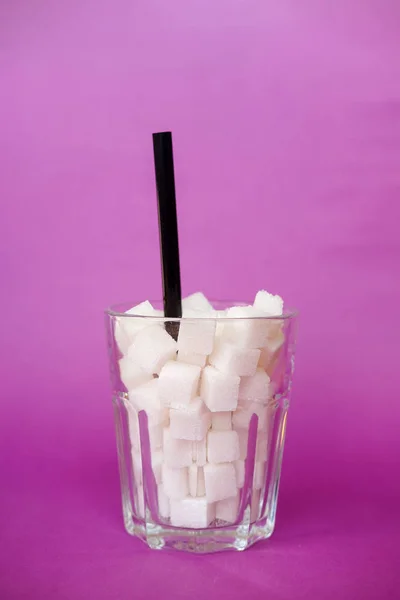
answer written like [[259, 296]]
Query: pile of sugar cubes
[[200, 392]]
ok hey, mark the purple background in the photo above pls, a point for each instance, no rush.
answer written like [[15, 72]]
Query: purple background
[[286, 123]]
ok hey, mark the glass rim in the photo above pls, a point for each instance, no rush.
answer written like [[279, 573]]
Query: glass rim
[[112, 311]]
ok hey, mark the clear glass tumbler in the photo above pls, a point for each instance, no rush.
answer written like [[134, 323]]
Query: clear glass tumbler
[[200, 435]]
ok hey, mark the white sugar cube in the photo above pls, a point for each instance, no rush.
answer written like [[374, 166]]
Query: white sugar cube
[[222, 446], [192, 359], [126, 328], [221, 421], [196, 332], [243, 441], [221, 314], [220, 391], [220, 481], [240, 472], [175, 482], [196, 481], [124, 333], [131, 374], [246, 327], [190, 422], [156, 436], [272, 306], [259, 475], [177, 453], [256, 388], [263, 413], [144, 309], [242, 416], [268, 303], [133, 426], [232, 359], [145, 397], [227, 509], [199, 452], [140, 501], [193, 480], [261, 446], [163, 502], [152, 348], [155, 431], [276, 341], [196, 301], [178, 383], [156, 465], [271, 351], [255, 505], [192, 512]]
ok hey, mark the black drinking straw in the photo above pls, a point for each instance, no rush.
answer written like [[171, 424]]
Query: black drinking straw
[[168, 226]]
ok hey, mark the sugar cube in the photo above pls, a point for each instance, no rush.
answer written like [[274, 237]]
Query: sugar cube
[[268, 303], [243, 441], [242, 416], [221, 421], [177, 453], [232, 359], [246, 327], [178, 384], [277, 375], [276, 341], [221, 314], [152, 348], [199, 452], [196, 301], [156, 465], [144, 309], [156, 436], [190, 512], [272, 306], [259, 474], [261, 446], [270, 352], [196, 332], [192, 359], [196, 481], [126, 328], [222, 446], [227, 509], [145, 397], [190, 422], [155, 431], [255, 388], [175, 482], [219, 391], [240, 472], [220, 481], [163, 502], [131, 374]]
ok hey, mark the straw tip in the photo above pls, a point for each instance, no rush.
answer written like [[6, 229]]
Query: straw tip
[[161, 134]]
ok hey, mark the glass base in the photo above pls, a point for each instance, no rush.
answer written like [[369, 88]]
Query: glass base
[[210, 540]]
